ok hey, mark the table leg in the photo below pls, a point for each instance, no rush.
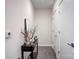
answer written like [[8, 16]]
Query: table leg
[[22, 55], [31, 55]]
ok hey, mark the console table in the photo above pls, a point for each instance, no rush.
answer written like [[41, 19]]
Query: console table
[[30, 48]]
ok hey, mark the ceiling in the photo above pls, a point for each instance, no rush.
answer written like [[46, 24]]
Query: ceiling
[[43, 3]]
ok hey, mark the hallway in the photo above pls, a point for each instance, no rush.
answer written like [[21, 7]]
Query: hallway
[[55, 27]]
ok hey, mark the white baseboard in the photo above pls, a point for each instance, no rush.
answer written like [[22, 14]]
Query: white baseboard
[[53, 47]]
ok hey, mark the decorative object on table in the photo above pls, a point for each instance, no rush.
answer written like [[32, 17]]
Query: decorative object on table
[[25, 33], [28, 34], [35, 38]]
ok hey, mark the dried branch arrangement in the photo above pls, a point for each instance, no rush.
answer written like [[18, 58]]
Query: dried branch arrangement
[[28, 34]]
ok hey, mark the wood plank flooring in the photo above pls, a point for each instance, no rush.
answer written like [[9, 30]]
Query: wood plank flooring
[[46, 52]]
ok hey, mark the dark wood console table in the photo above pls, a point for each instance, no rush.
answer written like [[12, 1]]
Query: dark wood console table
[[30, 48]]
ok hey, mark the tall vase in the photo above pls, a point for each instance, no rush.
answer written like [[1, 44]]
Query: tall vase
[[25, 30]]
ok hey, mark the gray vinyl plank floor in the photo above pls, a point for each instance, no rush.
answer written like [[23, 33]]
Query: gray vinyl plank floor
[[46, 52]]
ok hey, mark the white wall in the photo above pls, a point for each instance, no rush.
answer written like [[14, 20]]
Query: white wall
[[15, 12], [63, 29], [43, 20]]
